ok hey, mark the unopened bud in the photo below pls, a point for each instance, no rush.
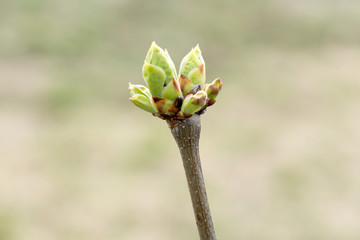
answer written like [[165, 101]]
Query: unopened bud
[[193, 66], [143, 102], [194, 103], [217, 83], [211, 91]]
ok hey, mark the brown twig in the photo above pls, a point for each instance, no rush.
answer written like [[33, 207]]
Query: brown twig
[[187, 134]]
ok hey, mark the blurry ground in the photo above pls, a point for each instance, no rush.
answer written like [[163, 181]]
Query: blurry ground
[[280, 149]]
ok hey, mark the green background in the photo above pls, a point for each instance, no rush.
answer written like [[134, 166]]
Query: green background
[[280, 148]]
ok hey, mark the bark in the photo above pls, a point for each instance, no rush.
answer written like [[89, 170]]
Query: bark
[[187, 135]]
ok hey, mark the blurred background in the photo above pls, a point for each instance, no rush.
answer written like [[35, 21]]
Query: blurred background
[[280, 148]]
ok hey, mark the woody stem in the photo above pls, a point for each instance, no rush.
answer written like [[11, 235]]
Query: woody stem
[[187, 135]]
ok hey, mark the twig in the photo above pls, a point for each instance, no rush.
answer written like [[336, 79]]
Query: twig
[[187, 134]]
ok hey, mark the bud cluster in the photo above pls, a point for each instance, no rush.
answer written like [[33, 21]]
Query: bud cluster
[[170, 94]]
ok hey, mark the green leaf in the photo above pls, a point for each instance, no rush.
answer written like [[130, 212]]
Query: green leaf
[[155, 78]]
